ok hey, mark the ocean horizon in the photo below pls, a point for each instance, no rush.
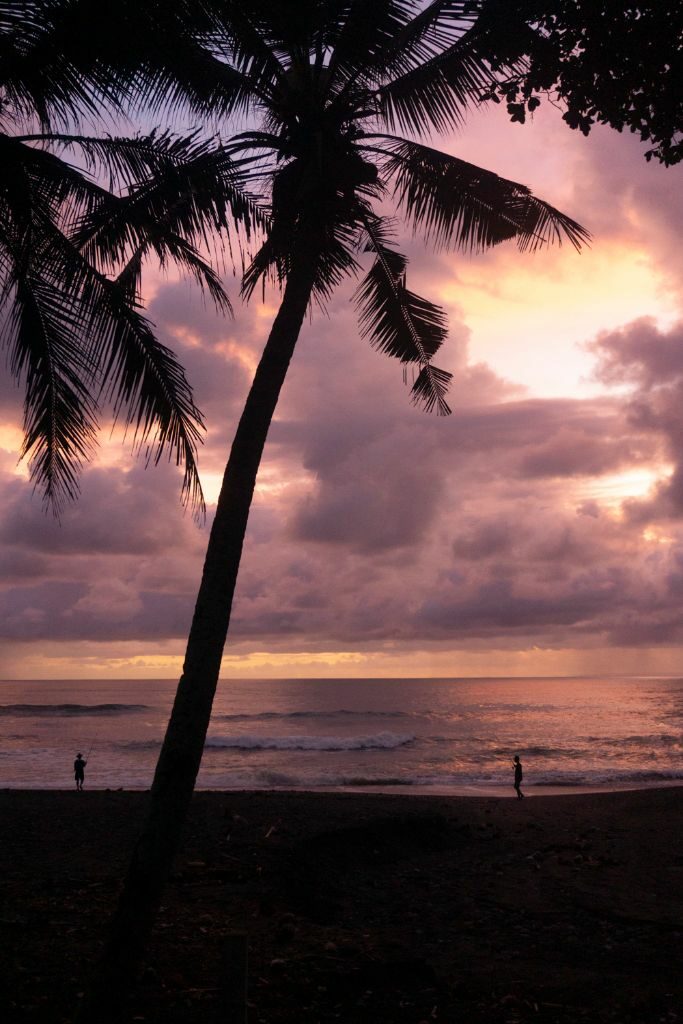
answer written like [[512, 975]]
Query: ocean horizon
[[431, 734]]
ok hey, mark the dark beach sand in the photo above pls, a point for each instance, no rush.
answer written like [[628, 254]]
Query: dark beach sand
[[366, 909]]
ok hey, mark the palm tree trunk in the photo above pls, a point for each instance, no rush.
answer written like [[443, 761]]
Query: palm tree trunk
[[183, 744]]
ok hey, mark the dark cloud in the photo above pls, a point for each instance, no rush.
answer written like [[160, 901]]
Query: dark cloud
[[650, 360], [640, 353], [497, 606], [69, 611], [121, 564], [576, 453], [118, 513], [18, 565]]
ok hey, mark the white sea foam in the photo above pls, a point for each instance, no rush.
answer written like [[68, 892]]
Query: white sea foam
[[378, 741]]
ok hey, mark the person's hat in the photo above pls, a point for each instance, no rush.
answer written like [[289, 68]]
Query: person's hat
[[78, 754]]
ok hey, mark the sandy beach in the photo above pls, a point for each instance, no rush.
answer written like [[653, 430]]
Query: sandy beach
[[359, 907]]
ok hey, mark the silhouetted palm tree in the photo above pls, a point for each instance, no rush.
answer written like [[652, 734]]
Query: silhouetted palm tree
[[328, 83], [70, 306]]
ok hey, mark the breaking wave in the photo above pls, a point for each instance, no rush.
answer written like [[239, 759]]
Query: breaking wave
[[282, 780], [360, 781], [265, 716], [138, 744], [540, 751], [651, 740], [67, 710], [380, 741], [653, 776]]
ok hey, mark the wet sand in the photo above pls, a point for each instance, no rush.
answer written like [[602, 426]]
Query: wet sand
[[362, 908]]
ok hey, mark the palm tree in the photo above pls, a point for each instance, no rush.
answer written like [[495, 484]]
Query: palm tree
[[70, 311], [325, 86]]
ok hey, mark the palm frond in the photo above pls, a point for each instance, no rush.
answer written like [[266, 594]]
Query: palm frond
[[68, 60], [32, 177], [184, 256], [438, 26], [362, 33], [199, 85], [38, 73], [74, 333], [140, 376], [193, 198], [291, 30], [440, 90], [402, 324], [244, 34], [148, 388], [210, 58], [59, 411], [430, 387], [455, 204], [123, 158]]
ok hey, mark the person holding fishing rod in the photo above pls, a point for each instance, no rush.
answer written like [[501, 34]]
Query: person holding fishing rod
[[79, 769]]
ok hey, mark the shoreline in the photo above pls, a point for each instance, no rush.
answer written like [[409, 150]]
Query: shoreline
[[533, 790], [371, 908]]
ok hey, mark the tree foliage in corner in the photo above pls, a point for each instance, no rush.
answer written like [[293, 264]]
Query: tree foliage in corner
[[604, 61]]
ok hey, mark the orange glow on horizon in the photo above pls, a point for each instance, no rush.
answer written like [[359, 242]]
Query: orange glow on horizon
[[79, 662]]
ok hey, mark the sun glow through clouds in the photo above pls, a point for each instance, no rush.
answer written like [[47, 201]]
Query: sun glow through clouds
[[530, 316], [613, 489]]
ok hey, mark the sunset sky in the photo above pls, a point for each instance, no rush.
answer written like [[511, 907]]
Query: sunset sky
[[536, 531]]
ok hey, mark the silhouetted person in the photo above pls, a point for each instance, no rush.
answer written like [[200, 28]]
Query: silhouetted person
[[79, 771], [517, 765]]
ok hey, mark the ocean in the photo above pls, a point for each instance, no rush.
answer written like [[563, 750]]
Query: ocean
[[432, 735]]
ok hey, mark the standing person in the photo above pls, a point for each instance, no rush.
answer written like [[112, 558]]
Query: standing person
[[517, 765], [79, 771]]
